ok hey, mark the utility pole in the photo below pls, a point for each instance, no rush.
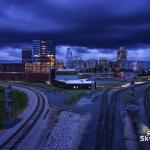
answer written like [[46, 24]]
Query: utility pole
[[8, 107], [50, 70], [93, 82]]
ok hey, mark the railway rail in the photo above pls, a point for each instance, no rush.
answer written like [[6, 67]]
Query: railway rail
[[105, 130], [107, 118], [147, 103], [13, 141]]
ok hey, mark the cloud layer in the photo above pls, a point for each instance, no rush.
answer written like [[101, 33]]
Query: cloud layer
[[102, 26]]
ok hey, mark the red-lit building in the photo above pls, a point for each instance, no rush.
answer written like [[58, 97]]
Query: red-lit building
[[13, 67], [12, 71], [17, 72], [27, 71], [37, 67]]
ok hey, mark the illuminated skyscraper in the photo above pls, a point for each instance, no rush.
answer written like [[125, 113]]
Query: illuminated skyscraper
[[42, 50], [122, 57], [43, 57]]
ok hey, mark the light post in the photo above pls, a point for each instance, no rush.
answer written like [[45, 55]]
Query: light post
[[93, 83], [50, 70], [8, 107]]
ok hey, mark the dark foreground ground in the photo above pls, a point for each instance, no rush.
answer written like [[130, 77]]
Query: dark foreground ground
[[109, 124]]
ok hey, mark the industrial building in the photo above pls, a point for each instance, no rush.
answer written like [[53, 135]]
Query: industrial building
[[12, 67], [79, 84]]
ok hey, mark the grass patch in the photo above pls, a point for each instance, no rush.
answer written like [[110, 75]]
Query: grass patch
[[73, 98], [20, 100], [51, 87], [74, 95], [110, 85]]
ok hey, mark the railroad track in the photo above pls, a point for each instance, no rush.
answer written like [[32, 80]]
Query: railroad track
[[13, 141], [103, 121], [147, 103], [105, 131]]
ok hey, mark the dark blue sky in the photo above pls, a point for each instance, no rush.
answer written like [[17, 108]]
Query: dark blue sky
[[90, 26]]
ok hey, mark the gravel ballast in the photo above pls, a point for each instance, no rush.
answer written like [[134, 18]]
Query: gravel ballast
[[65, 133]]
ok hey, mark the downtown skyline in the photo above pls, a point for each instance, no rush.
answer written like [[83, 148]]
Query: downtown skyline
[[86, 53]]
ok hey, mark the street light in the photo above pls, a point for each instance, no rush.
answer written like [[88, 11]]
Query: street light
[[93, 83]]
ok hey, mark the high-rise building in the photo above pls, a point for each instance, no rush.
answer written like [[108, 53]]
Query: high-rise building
[[42, 49], [26, 55], [68, 57], [122, 57], [91, 63], [68, 54]]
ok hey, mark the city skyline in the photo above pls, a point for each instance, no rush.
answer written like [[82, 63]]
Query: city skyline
[[139, 54], [89, 27]]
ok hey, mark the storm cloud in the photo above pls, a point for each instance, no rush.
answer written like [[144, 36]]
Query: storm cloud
[[104, 25]]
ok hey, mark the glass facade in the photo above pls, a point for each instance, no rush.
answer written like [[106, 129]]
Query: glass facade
[[43, 50]]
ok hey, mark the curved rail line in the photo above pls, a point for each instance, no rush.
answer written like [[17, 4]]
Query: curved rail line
[[107, 119], [23, 130]]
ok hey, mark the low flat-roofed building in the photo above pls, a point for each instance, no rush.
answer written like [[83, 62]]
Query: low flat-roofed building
[[79, 84]]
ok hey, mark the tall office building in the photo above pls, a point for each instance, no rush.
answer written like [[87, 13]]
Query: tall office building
[[68, 57], [68, 54], [122, 57], [26, 55], [43, 57], [42, 50]]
